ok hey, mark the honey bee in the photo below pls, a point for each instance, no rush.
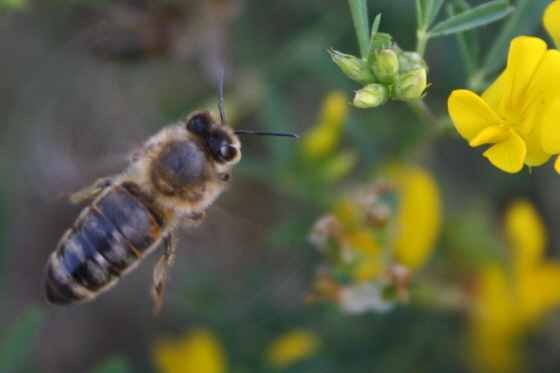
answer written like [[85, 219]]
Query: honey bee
[[170, 181]]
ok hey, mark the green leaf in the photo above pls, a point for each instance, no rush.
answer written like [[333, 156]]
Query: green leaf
[[433, 9], [468, 40], [420, 14], [19, 340], [375, 26], [361, 24], [426, 12], [481, 15]]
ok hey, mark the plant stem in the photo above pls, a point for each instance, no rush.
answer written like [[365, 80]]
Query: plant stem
[[425, 114], [423, 37], [360, 18]]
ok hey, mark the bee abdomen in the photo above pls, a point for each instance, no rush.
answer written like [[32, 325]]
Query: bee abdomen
[[112, 236]]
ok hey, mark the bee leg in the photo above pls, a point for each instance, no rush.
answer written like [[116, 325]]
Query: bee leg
[[194, 218], [92, 191], [162, 270]]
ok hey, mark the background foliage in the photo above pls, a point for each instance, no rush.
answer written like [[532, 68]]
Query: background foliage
[[85, 82]]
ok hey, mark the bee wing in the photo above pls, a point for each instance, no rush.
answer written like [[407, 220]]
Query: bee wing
[[230, 256]]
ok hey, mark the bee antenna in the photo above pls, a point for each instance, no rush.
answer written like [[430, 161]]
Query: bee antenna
[[221, 97], [285, 134]]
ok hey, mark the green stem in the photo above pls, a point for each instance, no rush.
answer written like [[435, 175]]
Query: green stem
[[360, 18], [425, 114], [423, 37]]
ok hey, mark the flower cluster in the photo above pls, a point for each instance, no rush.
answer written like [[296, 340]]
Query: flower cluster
[[519, 113], [370, 252], [387, 72]]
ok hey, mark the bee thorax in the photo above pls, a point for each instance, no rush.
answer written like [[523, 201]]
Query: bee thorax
[[180, 167]]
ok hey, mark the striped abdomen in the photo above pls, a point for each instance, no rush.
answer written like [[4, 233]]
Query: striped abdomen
[[114, 233]]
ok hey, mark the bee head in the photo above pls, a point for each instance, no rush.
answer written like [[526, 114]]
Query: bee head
[[217, 138]]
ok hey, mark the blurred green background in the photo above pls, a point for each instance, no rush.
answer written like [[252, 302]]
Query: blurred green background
[[83, 83]]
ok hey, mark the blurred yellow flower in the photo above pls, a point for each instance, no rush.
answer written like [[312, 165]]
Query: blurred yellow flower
[[418, 221], [509, 303], [198, 351], [320, 145], [518, 114], [325, 136], [292, 347]]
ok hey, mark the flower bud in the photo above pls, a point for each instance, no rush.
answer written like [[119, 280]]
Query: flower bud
[[410, 86], [355, 68], [410, 61], [371, 95], [386, 66]]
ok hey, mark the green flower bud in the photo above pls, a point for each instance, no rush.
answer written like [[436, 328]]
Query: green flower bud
[[354, 68], [386, 66], [371, 95], [410, 86], [410, 61]]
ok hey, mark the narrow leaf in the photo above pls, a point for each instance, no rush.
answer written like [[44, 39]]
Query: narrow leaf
[[421, 14], [481, 15], [434, 7], [468, 41], [361, 24], [375, 25]]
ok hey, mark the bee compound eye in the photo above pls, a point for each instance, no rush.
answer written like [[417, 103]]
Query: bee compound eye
[[196, 124], [227, 152]]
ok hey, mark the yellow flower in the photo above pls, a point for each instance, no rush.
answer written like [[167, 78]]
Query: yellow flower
[[508, 304], [198, 351], [292, 347], [518, 114]]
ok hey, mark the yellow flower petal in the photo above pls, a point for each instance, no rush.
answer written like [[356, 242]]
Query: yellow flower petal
[[525, 229], [495, 324], [551, 21], [494, 94], [550, 130], [418, 219], [535, 153], [292, 347], [470, 113], [508, 155], [540, 92], [524, 56], [198, 352], [491, 135]]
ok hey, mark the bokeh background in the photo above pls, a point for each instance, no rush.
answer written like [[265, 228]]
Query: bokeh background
[[83, 83]]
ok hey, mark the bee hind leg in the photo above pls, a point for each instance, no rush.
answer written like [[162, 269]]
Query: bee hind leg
[[161, 271], [91, 191]]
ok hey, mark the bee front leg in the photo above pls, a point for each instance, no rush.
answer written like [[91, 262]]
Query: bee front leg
[[92, 191], [162, 270]]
